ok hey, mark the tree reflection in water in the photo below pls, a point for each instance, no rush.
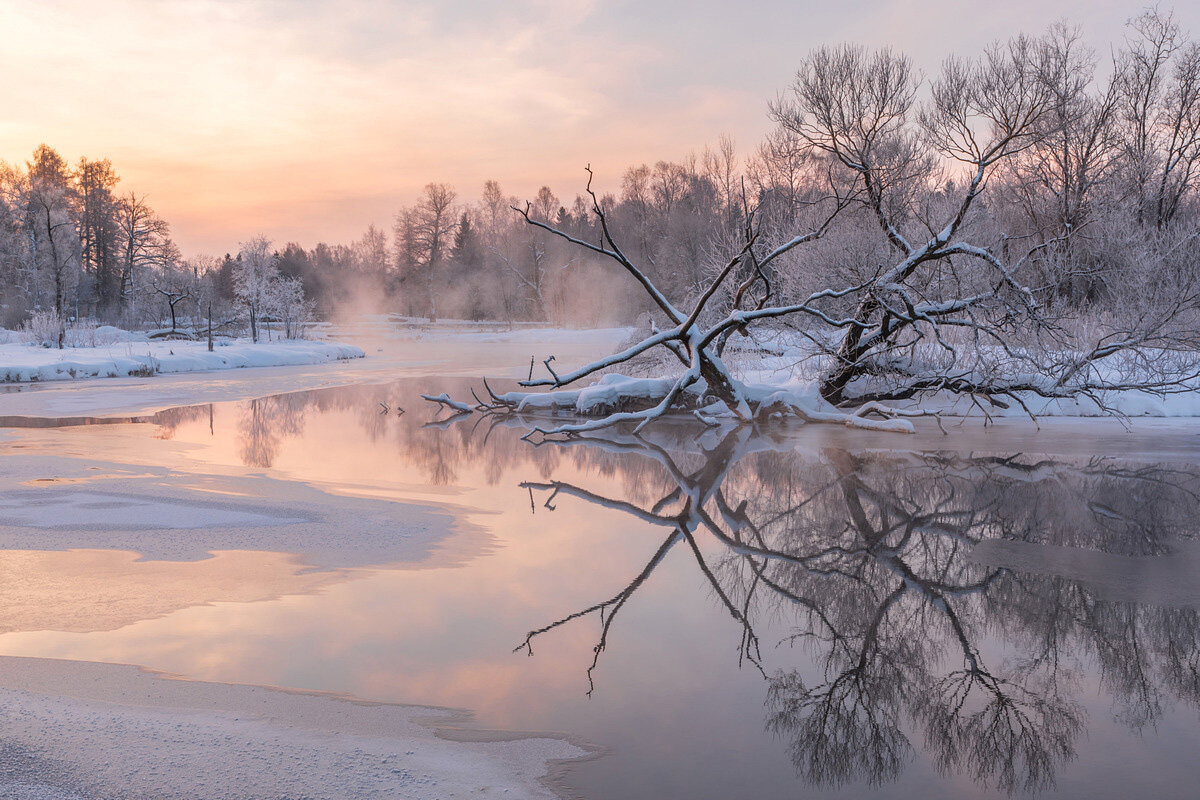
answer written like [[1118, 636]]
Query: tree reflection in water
[[911, 639], [870, 558]]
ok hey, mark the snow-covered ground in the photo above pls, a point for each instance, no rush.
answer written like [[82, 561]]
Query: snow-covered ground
[[781, 372], [79, 731], [20, 362], [783, 361]]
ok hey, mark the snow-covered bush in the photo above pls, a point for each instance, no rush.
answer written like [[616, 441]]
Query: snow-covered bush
[[45, 328]]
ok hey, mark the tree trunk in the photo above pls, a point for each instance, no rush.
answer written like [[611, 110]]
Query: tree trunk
[[719, 384], [848, 366], [432, 299]]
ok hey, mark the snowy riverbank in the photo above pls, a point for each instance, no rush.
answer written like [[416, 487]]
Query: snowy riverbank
[[791, 373], [87, 731], [25, 362], [786, 363]]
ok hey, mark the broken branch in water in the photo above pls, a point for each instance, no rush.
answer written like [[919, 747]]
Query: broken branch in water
[[449, 402]]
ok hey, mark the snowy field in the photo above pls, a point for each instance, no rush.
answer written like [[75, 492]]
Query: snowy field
[[21, 362]]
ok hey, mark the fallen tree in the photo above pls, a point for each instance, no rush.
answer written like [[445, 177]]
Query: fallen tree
[[949, 306]]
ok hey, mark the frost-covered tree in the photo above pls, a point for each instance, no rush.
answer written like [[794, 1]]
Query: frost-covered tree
[[50, 224], [98, 231], [18, 277], [175, 286], [286, 302], [433, 228], [371, 251], [891, 253], [1159, 106], [255, 270], [71, 245]]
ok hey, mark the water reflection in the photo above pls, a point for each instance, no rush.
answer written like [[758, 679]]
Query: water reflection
[[908, 641], [440, 448], [898, 613]]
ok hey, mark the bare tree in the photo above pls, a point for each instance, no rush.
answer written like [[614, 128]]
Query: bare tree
[[856, 107], [1160, 106], [1055, 183], [432, 231], [531, 258], [144, 246], [174, 292]]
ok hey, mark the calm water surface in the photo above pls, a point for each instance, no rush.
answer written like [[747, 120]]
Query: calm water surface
[[801, 612]]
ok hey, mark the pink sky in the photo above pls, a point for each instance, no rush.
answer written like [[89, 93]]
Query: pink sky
[[308, 119]]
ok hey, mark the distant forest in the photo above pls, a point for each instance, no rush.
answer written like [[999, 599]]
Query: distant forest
[[1101, 193]]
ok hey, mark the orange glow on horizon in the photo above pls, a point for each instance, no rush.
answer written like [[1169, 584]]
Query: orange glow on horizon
[[308, 121]]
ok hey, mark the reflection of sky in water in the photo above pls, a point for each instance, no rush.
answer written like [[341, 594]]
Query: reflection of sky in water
[[914, 665]]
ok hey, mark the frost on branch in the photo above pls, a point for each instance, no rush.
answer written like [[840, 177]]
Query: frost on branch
[[705, 387]]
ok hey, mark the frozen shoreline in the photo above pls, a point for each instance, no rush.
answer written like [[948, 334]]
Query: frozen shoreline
[[87, 731], [23, 363], [390, 353]]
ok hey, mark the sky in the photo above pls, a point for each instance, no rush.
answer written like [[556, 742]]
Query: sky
[[308, 119]]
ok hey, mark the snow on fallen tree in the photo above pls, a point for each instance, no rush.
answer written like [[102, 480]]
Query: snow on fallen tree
[[449, 402], [948, 304]]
